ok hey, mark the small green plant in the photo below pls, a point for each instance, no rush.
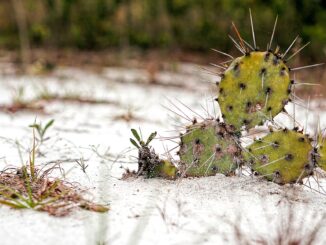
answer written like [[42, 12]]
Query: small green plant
[[41, 131], [141, 142], [148, 161], [82, 164]]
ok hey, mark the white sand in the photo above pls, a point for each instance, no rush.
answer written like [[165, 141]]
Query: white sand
[[143, 211]]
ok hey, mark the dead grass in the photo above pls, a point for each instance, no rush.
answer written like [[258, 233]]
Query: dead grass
[[38, 104], [57, 197], [33, 187], [291, 228]]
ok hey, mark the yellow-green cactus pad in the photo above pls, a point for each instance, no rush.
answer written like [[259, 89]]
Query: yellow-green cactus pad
[[208, 148], [322, 154], [282, 156], [255, 87], [167, 170]]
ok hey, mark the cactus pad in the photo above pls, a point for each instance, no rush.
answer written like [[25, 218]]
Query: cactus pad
[[282, 156], [253, 88], [208, 148], [322, 153]]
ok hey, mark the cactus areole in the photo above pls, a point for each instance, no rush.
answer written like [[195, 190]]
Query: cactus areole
[[253, 89]]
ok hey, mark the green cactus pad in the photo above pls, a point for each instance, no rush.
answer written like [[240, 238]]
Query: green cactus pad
[[208, 148], [282, 156], [322, 154], [253, 88], [167, 170]]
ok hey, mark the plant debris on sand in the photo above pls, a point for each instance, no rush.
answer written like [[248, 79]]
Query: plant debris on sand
[[21, 189]]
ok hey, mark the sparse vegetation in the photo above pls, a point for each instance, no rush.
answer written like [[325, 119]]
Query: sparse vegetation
[[32, 187], [42, 130]]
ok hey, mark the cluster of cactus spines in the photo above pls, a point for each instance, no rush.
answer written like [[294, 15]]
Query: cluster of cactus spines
[[254, 87], [208, 148], [282, 156]]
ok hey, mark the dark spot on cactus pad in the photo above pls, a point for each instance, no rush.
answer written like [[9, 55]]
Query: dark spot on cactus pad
[[217, 83], [301, 139], [264, 159], [267, 55], [276, 144], [218, 148], [230, 108], [275, 60], [289, 157], [242, 85], [268, 90], [282, 71], [277, 174], [215, 168]]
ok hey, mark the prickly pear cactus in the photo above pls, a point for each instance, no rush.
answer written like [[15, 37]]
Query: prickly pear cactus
[[322, 155], [208, 148], [254, 87], [283, 156]]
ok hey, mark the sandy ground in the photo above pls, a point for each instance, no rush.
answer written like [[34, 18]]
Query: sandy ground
[[143, 211]]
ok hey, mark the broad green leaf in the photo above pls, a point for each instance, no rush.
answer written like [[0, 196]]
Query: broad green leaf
[[150, 138], [135, 134], [134, 143], [49, 124]]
